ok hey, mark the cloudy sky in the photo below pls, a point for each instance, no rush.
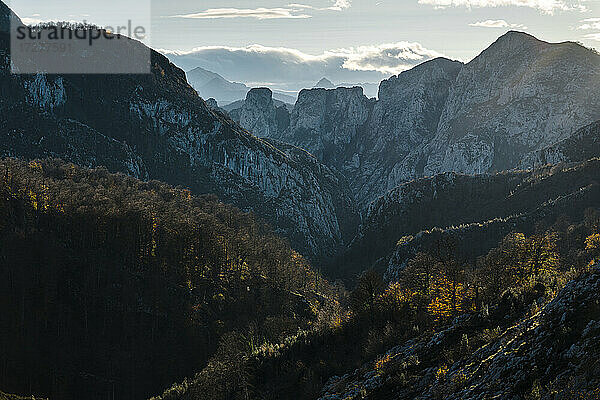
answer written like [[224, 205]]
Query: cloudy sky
[[345, 40]]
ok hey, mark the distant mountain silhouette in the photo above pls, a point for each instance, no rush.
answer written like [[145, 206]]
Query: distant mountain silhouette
[[212, 85], [325, 83]]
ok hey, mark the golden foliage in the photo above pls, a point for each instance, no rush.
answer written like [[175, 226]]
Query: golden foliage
[[449, 297], [404, 240], [440, 374], [35, 165], [592, 242], [396, 294], [382, 362]]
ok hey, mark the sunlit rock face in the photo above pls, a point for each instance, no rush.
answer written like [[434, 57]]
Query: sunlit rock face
[[404, 120], [369, 141], [156, 127], [258, 114], [327, 123], [518, 96]]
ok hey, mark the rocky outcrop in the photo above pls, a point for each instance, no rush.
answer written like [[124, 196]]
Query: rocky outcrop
[[551, 354], [212, 104], [258, 114], [156, 127], [505, 109], [519, 95], [261, 114], [329, 123]]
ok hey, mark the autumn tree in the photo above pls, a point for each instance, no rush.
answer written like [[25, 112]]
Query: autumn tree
[[592, 245], [418, 274], [450, 293]]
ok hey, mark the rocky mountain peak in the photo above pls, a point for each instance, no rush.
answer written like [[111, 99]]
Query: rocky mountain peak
[[334, 113], [325, 84], [258, 114], [514, 48], [212, 104], [517, 96], [259, 97], [438, 68], [519, 36], [5, 17]]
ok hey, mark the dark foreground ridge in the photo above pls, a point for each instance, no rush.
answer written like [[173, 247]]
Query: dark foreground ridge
[[116, 288]]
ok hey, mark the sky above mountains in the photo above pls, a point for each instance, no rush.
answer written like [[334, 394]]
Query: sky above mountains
[[345, 40]]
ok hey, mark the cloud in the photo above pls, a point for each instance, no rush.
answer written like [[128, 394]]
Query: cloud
[[590, 24], [280, 66], [338, 5], [497, 23], [291, 11], [341, 4], [391, 58], [258, 13], [593, 36], [546, 6]]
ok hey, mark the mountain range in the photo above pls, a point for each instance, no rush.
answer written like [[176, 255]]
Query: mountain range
[[156, 126], [472, 188], [313, 171], [211, 85], [281, 69], [497, 112]]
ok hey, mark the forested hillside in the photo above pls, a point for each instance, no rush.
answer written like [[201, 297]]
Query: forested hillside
[[478, 210], [155, 126], [466, 278], [427, 333], [115, 288]]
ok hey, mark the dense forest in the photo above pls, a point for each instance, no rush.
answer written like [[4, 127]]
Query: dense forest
[[117, 288], [438, 291]]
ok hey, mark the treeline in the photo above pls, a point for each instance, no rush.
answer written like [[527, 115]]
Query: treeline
[[516, 278], [116, 288], [437, 286]]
